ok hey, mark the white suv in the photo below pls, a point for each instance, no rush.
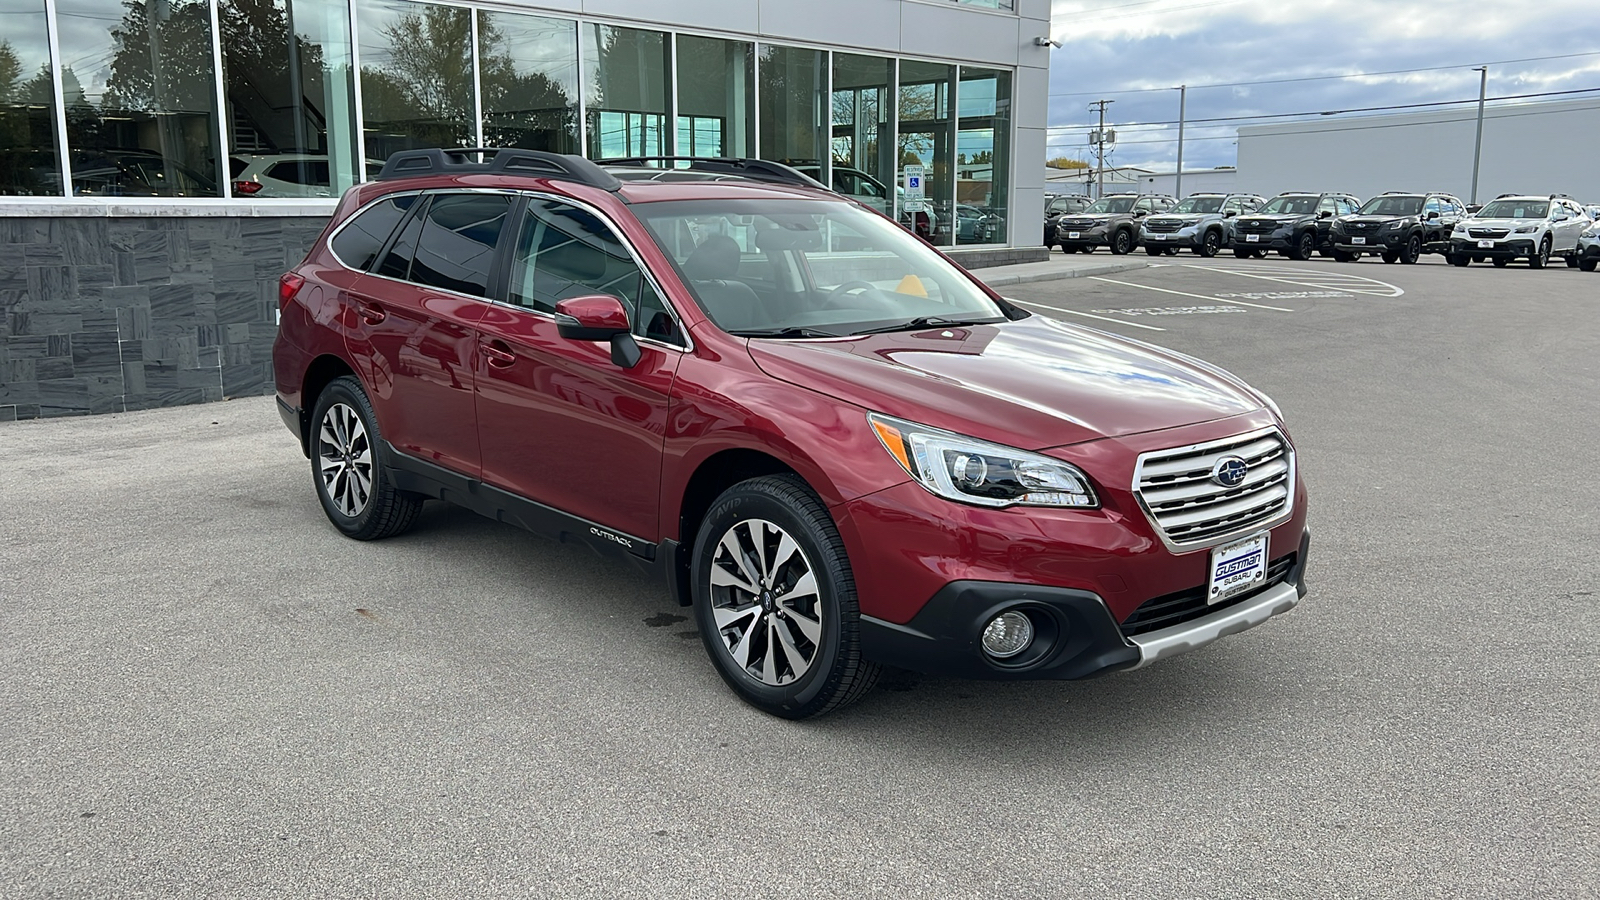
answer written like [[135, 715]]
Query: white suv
[[1516, 227]]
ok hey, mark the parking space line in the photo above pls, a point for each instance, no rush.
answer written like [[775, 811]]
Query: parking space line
[[1084, 314], [1359, 284], [1187, 294]]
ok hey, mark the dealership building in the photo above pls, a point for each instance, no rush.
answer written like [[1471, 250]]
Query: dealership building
[[163, 161]]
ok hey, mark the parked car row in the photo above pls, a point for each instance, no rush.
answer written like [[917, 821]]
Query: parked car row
[[1397, 227]]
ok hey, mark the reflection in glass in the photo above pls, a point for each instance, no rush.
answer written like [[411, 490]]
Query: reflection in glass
[[290, 104], [416, 77], [627, 73], [529, 72], [983, 156], [29, 158], [863, 111], [716, 107], [792, 124], [141, 102], [927, 139]]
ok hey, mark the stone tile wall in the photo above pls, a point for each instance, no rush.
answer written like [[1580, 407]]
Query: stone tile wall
[[103, 314]]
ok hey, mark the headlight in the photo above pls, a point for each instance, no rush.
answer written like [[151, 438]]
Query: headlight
[[1396, 226], [1525, 229], [1271, 404], [968, 470], [1592, 233]]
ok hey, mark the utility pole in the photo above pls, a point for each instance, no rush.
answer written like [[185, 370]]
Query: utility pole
[[1183, 98], [1100, 146], [1477, 146]]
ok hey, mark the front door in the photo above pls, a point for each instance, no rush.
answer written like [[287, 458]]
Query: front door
[[558, 421]]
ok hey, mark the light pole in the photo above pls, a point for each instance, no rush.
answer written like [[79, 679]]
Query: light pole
[[1100, 146], [1183, 98], [1477, 145]]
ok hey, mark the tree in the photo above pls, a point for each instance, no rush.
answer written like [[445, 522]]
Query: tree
[[423, 89], [1067, 162]]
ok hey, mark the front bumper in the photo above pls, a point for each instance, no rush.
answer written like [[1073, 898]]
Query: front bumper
[[1184, 237], [1376, 242], [1277, 240], [1504, 248], [1087, 237], [1077, 637]]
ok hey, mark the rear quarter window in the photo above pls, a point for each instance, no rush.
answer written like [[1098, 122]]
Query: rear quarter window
[[357, 243]]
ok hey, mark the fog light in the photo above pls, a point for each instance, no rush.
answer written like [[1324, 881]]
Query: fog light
[[1007, 634]]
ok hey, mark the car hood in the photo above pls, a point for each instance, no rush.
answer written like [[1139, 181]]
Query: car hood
[[1092, 218], [1196, 218], [1274, 219], [1370, 220], [1500, 223], [1034, 383]]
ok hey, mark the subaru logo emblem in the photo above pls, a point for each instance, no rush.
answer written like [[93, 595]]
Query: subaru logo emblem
[[1229, 471]]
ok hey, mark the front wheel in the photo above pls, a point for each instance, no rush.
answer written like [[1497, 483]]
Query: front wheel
[[1304, 246], [1155, 251], [1390, 256], [1459, 259], [775, 600], [1243, 252], [1122, 243], [1541, 257], [1412, 251], [1342, 256], [1587, 265], [347, 468], [1210, 245], [1500, 262]]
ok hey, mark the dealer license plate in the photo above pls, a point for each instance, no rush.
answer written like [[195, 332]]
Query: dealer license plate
[[1237, 567], [1356, 240], [1252, 239], [1486, 245], [1072, 235], [1161, 237]]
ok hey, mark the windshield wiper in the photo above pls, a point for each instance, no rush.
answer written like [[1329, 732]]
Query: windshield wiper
[[927, 322], [790, 332]]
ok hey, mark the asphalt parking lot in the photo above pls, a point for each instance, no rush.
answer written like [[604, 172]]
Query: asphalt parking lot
[[208, 692]]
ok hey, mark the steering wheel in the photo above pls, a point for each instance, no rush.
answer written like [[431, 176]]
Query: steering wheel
[[838, 293]]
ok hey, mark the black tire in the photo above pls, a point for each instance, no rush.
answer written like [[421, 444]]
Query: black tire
[[1540, 257], [836, 675], [1210, 245], [1412, 251], [1500, 262], [1459, 259], [1342, 256], [1243, 252], [1172, 251], [1122, 242], [1587, 265], [1390, 257], [1304, 245], [1155, 251], [1572, 262], [337, 470]]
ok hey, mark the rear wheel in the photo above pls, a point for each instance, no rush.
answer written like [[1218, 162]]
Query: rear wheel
[[775, 600], [1343, 256], [1540, 257], [1459, 259], [1122, 243], [1155, 251], [347, 467], [1210, 245], [1243, 252], [1412, 251]]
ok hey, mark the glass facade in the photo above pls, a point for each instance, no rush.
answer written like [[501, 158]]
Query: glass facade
[[291, 99]]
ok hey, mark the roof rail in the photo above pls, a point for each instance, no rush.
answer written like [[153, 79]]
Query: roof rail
[[1560, 196], [754, 169], [505, 160], [1503, 196], [1404, 193]]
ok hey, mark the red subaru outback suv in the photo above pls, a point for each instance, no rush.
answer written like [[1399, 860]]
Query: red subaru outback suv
[[834, 443]]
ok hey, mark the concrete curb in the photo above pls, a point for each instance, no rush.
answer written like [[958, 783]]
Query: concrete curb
[[1107, 268]]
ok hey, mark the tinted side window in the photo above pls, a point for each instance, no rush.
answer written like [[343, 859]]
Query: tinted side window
[[397, 262], [563, 251], [358, 243], [456, 248]]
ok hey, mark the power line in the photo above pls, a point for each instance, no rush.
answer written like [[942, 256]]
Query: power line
[[1338, 111], [1502, 62]]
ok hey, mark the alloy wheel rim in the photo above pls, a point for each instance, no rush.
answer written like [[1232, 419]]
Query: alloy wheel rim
[[344, 459], [765, 602]]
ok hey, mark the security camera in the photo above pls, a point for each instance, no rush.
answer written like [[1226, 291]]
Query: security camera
[[1046, 42]]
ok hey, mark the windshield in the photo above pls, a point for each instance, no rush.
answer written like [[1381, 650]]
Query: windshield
[[809, 268], [1199, 205], [1111, 205], [1392, 206], [1515, 209], [1290, 206]]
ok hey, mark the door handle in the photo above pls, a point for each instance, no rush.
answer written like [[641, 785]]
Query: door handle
[[499, 355], [371, 313]]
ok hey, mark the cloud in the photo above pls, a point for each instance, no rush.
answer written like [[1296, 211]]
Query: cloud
[[1135, 53]]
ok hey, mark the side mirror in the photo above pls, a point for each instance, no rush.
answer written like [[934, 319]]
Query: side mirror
[[599, 318], [1434, 214], [1325, 214], [1559, 217], [1230, 214]]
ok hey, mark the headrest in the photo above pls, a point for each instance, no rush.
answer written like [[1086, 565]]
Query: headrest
[[715, 259]]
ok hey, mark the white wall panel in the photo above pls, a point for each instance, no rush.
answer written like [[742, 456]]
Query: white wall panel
[[951, 32], [717, 15], [848, 23]]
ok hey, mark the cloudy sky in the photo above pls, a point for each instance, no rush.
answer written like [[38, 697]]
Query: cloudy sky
[[1136, 52]]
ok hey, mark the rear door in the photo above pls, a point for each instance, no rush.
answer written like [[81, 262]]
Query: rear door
[[414, 325], [559, 422]]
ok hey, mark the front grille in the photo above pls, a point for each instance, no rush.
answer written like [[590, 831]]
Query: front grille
[[1249, 227], [1360, 227], [1077, 224], [1488, 232], [1157, 226], [1184, 606], [1188, 507]]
